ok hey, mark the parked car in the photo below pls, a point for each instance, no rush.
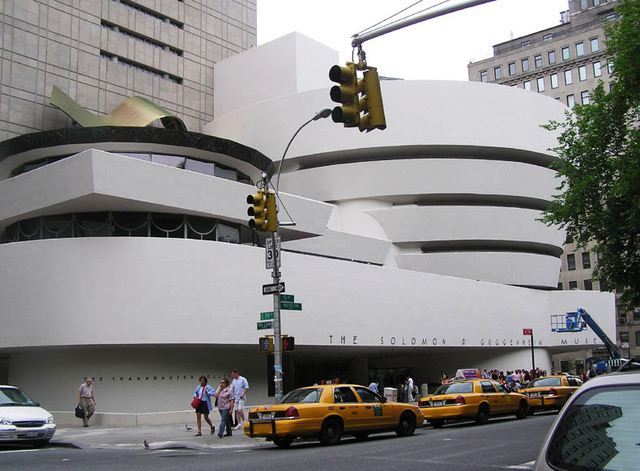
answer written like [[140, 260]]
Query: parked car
[[599, 426], [476, 399], [550, 392], [328, 412], [22, 419]]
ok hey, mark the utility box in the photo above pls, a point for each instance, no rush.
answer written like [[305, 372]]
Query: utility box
[[391, 394]]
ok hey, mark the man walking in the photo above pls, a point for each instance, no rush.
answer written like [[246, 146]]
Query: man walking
[[87, 400], [239, 387]]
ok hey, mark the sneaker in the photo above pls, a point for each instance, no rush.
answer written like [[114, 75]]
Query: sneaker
[[239, 426]]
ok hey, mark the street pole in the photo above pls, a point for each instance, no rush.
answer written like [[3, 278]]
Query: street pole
[[277, 327], [533, 357], [277, 331]]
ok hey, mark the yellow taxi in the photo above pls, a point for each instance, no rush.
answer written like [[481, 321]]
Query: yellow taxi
[[328, 412], [474, 399], [550, 392]]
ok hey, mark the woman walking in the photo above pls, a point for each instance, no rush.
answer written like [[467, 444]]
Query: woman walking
[[225, 406], [204, 393]]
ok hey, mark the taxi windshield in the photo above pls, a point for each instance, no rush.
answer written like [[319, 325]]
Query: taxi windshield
[[454, 388], [14, 397], [545, 382], [303, 395]]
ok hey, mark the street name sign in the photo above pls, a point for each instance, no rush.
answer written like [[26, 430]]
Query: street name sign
[[291, 306], [286, 298], [273, 288], [265, 325], [266, 316]]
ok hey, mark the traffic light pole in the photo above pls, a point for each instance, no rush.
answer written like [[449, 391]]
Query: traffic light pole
[[277, 331]]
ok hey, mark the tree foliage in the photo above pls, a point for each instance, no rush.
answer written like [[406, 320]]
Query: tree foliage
[[599, 164]]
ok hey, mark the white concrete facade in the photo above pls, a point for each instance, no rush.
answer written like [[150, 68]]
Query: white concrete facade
[[416, 249]]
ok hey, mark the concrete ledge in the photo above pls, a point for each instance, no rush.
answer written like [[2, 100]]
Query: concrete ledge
[[128, 420]]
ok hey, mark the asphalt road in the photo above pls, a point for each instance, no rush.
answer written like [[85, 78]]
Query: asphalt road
[[505, 444]]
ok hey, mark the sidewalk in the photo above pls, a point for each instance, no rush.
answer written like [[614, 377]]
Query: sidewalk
[[159, 437]]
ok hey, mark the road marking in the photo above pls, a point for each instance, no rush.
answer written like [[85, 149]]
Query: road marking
[[528, 465], [19, 451]]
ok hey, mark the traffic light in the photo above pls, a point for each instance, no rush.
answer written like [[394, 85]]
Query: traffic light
[[258, 211], [265, 345], [346, 93], [373, 117], [361, 99], [272, 213], [288, 344]]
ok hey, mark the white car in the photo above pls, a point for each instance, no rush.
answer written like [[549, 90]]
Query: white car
[[599, 426], [22, 419]]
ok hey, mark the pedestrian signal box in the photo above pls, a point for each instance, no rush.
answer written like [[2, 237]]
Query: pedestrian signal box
[[265, 344]]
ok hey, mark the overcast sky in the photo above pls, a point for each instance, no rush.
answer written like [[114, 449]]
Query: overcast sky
[[436, 49]]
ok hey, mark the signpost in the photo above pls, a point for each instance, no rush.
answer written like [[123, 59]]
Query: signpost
[[533, 357]]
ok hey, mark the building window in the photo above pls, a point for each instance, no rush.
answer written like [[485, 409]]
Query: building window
[[573, 285], [638, 338], [582, 73], [559, 286], [525, 65], [568, 77], [610, 66], [538, 61], [584, 97], [512, 68], [554, 81], [571, 101], [552, 57], [596, 3], [525, 43], [595, 45], [597, 69], [527, 85], [580, 49], [497, 72], [566, 54], [540, 81], [586, 260], [624, 336], [547, 37], [588, 286], [571, 261], [584, 4], [484, 76], [636, 316]]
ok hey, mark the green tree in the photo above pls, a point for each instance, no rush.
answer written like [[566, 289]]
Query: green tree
[[599, 164]]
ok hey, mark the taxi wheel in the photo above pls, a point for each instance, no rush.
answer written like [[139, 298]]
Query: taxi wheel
[[331, 431], [483, 414], [523, 409], [407, 424], [282, 442]]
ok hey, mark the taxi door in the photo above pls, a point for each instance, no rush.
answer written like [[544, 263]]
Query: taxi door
[[495, 397], [376, 412], [349, 408], [508, 403]]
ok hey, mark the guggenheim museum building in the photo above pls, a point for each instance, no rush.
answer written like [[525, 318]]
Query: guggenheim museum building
[[125, 252]]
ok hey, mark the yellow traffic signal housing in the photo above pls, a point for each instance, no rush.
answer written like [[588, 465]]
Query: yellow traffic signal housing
[[361, 99], [258, 211], [346, 93], [272, 213], [374, 111]]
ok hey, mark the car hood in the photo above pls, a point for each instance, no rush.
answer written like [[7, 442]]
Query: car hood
[[24, 413]]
